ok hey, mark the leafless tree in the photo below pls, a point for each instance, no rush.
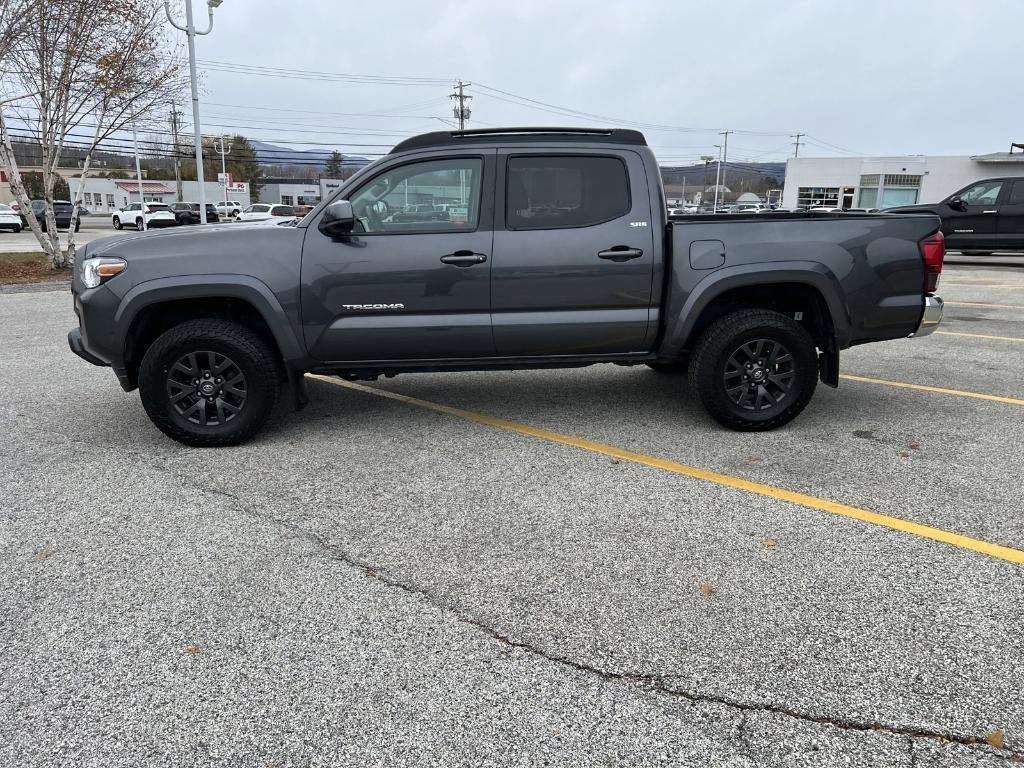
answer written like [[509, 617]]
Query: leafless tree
[[83, 71]]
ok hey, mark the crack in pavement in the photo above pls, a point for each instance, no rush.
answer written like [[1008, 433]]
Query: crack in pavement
[[648, 682]]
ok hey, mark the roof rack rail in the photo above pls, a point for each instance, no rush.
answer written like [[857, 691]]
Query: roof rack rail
[[448, 138]]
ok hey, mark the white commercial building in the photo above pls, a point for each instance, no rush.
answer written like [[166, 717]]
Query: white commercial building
[[102, 196], [883, 182]]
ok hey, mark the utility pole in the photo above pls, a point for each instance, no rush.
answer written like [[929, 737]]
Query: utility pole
[[725, 159], [190, 32], [223, 147], [138, 177], [796, 144], [461, 111], [177, 151]]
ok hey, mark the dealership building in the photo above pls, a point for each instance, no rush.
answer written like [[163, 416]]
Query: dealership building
[[883, 182]]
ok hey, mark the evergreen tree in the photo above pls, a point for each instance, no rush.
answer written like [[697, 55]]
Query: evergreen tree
[[333, 169]]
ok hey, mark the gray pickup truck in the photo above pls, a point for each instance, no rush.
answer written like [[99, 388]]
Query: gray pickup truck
[[499, 249]]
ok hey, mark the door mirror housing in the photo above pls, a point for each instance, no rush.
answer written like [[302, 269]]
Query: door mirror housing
[[956, 203], [338, 218]]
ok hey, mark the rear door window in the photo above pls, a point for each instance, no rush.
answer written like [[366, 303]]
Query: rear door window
[[565, 191], [1017, 193]]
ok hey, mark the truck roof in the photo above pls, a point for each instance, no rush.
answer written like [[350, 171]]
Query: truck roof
[[545, 135]]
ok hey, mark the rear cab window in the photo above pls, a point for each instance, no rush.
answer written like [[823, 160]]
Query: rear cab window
[[565, 191]]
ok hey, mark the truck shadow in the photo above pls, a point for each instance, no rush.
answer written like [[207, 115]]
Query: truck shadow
[[619, 398]]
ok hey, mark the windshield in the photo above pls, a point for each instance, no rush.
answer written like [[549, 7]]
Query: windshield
[[157, 206]]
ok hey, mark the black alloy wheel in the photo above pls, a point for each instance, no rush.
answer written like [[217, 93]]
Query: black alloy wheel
[[759, 375], [206, 388]]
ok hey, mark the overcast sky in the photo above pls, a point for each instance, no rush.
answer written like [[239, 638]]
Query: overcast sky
[[894, 77]]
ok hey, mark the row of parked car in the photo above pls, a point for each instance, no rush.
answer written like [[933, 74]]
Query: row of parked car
[[748, 208], [150, 214]]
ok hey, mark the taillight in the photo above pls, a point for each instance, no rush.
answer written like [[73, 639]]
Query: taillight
[[933, 250]]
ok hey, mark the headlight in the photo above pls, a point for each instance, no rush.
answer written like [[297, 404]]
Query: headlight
[[96, 271]]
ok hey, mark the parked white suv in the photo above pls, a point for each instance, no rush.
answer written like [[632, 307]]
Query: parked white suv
[[157, 215], [264, 211], [228, 209]]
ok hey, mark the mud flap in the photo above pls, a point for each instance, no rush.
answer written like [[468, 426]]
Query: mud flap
[[297, 385], [828, 365]]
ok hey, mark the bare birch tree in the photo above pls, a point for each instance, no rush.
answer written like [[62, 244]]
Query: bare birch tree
[[83, 71]]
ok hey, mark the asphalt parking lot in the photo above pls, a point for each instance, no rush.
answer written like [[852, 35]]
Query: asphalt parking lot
[[574, 568]]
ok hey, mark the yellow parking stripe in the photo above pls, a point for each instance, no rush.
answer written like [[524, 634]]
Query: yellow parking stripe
[[976, 304], [939, 390], [813, 502], [977, 336]]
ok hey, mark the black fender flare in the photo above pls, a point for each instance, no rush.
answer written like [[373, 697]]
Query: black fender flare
[[243, 287], [682, 320]]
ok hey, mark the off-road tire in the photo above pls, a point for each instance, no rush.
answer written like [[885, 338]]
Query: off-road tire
[[117, 222], [724, 337], [139, 226], [260, 366]]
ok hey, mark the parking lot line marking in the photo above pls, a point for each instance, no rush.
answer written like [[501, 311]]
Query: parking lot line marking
[[804, 500], [977, 304], [939, 390], [977, 336]]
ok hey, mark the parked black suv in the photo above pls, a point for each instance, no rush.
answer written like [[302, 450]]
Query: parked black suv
[[61, 212], [188, 213], [983, 217]]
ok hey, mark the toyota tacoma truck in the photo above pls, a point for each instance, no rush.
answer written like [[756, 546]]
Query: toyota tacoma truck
[[499, 249]]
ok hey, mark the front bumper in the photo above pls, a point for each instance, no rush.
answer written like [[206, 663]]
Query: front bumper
[[931, 318], [78, 347]]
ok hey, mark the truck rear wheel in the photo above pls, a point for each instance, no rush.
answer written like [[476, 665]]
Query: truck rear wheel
[[754, 370], [209, 383]]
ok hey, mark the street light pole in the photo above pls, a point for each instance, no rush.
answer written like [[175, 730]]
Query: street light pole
[[190, 32], [223, 147], [138, 178]]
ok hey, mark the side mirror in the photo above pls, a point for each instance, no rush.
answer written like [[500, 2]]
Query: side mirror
[[957, 204], [338, 218]]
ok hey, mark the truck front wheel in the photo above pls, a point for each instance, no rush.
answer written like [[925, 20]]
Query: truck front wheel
[[754, 369], [209, 383]]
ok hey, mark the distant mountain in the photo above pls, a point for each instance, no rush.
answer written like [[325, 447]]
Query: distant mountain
[[273, 154]]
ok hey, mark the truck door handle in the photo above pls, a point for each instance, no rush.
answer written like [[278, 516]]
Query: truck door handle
[[620, 253], [463, 258], [990, 211]]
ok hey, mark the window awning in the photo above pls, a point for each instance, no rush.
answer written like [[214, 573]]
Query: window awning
[[147, 186]]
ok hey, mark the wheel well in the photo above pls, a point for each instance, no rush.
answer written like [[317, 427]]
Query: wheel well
[[155, 319], [786, 298]]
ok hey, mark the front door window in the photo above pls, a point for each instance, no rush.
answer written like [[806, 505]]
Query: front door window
[[985, 193], [429, 196]]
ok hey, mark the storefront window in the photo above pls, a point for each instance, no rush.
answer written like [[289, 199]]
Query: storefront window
[[868, 197], [894, 196]]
